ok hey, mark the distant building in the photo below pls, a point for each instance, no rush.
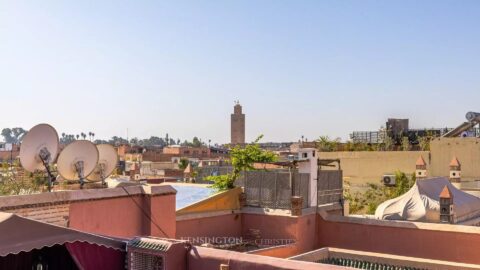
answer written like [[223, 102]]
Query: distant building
[[187, 151], [237, 125], [396, 129]]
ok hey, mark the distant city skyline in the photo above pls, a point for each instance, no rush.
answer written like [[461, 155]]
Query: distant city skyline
[[298, 68]]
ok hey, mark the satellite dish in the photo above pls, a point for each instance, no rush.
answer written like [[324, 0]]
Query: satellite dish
[[39, 149], [77, 161], [107, 162]]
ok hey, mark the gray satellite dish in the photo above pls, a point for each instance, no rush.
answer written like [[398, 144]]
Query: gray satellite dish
[[107, 162], [77, 161], [39, 149]]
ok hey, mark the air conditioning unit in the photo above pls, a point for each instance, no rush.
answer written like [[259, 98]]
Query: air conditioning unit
[[155, 253], [389, 180]]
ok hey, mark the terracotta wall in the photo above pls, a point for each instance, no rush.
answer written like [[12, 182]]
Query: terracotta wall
[[405, 239], [210, 226], [277, 252], [300, 229], [126, 216]]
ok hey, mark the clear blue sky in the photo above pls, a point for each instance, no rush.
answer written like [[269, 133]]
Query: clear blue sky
[[298, 67]]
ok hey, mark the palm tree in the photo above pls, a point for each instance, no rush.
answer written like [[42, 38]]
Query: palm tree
[[78, 136]]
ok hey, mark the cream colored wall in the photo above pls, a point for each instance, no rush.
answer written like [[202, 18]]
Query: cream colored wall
[[467, 150], [369, 166]]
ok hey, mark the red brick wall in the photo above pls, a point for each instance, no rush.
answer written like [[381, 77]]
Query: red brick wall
[[57, 214]]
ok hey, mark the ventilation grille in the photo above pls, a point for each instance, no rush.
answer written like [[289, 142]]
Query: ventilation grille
[[140, 261]]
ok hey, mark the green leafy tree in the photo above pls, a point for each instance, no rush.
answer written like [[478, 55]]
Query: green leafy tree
[[242, 159], [196, 142], [405, 144], [325, 144], [368, 201], [11, 184], [388, 143], [13, 135], [183, 163]]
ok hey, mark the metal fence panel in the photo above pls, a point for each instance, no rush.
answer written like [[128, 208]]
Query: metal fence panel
[[330, 187], [284, 191], [273, 189]]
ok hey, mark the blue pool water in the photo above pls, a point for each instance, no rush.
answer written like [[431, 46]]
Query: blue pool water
[[187, 195]]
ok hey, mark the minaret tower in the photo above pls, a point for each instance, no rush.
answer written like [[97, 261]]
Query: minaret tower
[[237, 125]]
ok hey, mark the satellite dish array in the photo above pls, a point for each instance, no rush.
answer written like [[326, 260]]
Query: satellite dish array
[[79, 161]]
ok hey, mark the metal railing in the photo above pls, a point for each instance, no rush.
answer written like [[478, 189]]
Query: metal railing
[[330, 187]]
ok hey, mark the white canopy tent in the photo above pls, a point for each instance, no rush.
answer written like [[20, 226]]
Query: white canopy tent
[[421, 203]]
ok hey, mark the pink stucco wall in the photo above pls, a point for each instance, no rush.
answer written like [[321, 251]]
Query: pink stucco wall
[[214, 226], [125, 216], [285, 251], [300, 229], [415, 242]]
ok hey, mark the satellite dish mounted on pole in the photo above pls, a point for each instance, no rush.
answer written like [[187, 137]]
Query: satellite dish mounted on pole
[[39, 149]]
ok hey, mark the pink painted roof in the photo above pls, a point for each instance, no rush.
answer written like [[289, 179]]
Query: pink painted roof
[[420, 161], [446, 193], [454, 162]]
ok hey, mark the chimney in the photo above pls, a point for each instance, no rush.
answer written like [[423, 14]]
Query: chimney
[[420, 168]]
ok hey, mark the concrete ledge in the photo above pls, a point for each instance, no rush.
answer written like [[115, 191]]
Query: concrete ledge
[[201, 215], [266, 211], [330, 207], [62, 197]]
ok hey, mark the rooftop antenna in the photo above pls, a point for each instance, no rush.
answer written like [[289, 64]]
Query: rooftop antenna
[[77, 161], [39, 149], [107, 162]]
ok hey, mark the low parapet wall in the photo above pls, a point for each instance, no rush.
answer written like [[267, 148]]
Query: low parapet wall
[[445, 242], [381, 259], [206, 258], [120, 212]]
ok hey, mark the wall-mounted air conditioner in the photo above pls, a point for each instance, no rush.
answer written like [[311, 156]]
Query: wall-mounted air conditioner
[[389, 180]]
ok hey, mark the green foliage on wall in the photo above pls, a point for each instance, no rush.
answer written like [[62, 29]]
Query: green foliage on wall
[[242, 159], [367, 202]]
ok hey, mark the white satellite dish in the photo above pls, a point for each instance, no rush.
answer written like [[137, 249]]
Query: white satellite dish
[[77, 161], [107, 162], [39, 149]]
